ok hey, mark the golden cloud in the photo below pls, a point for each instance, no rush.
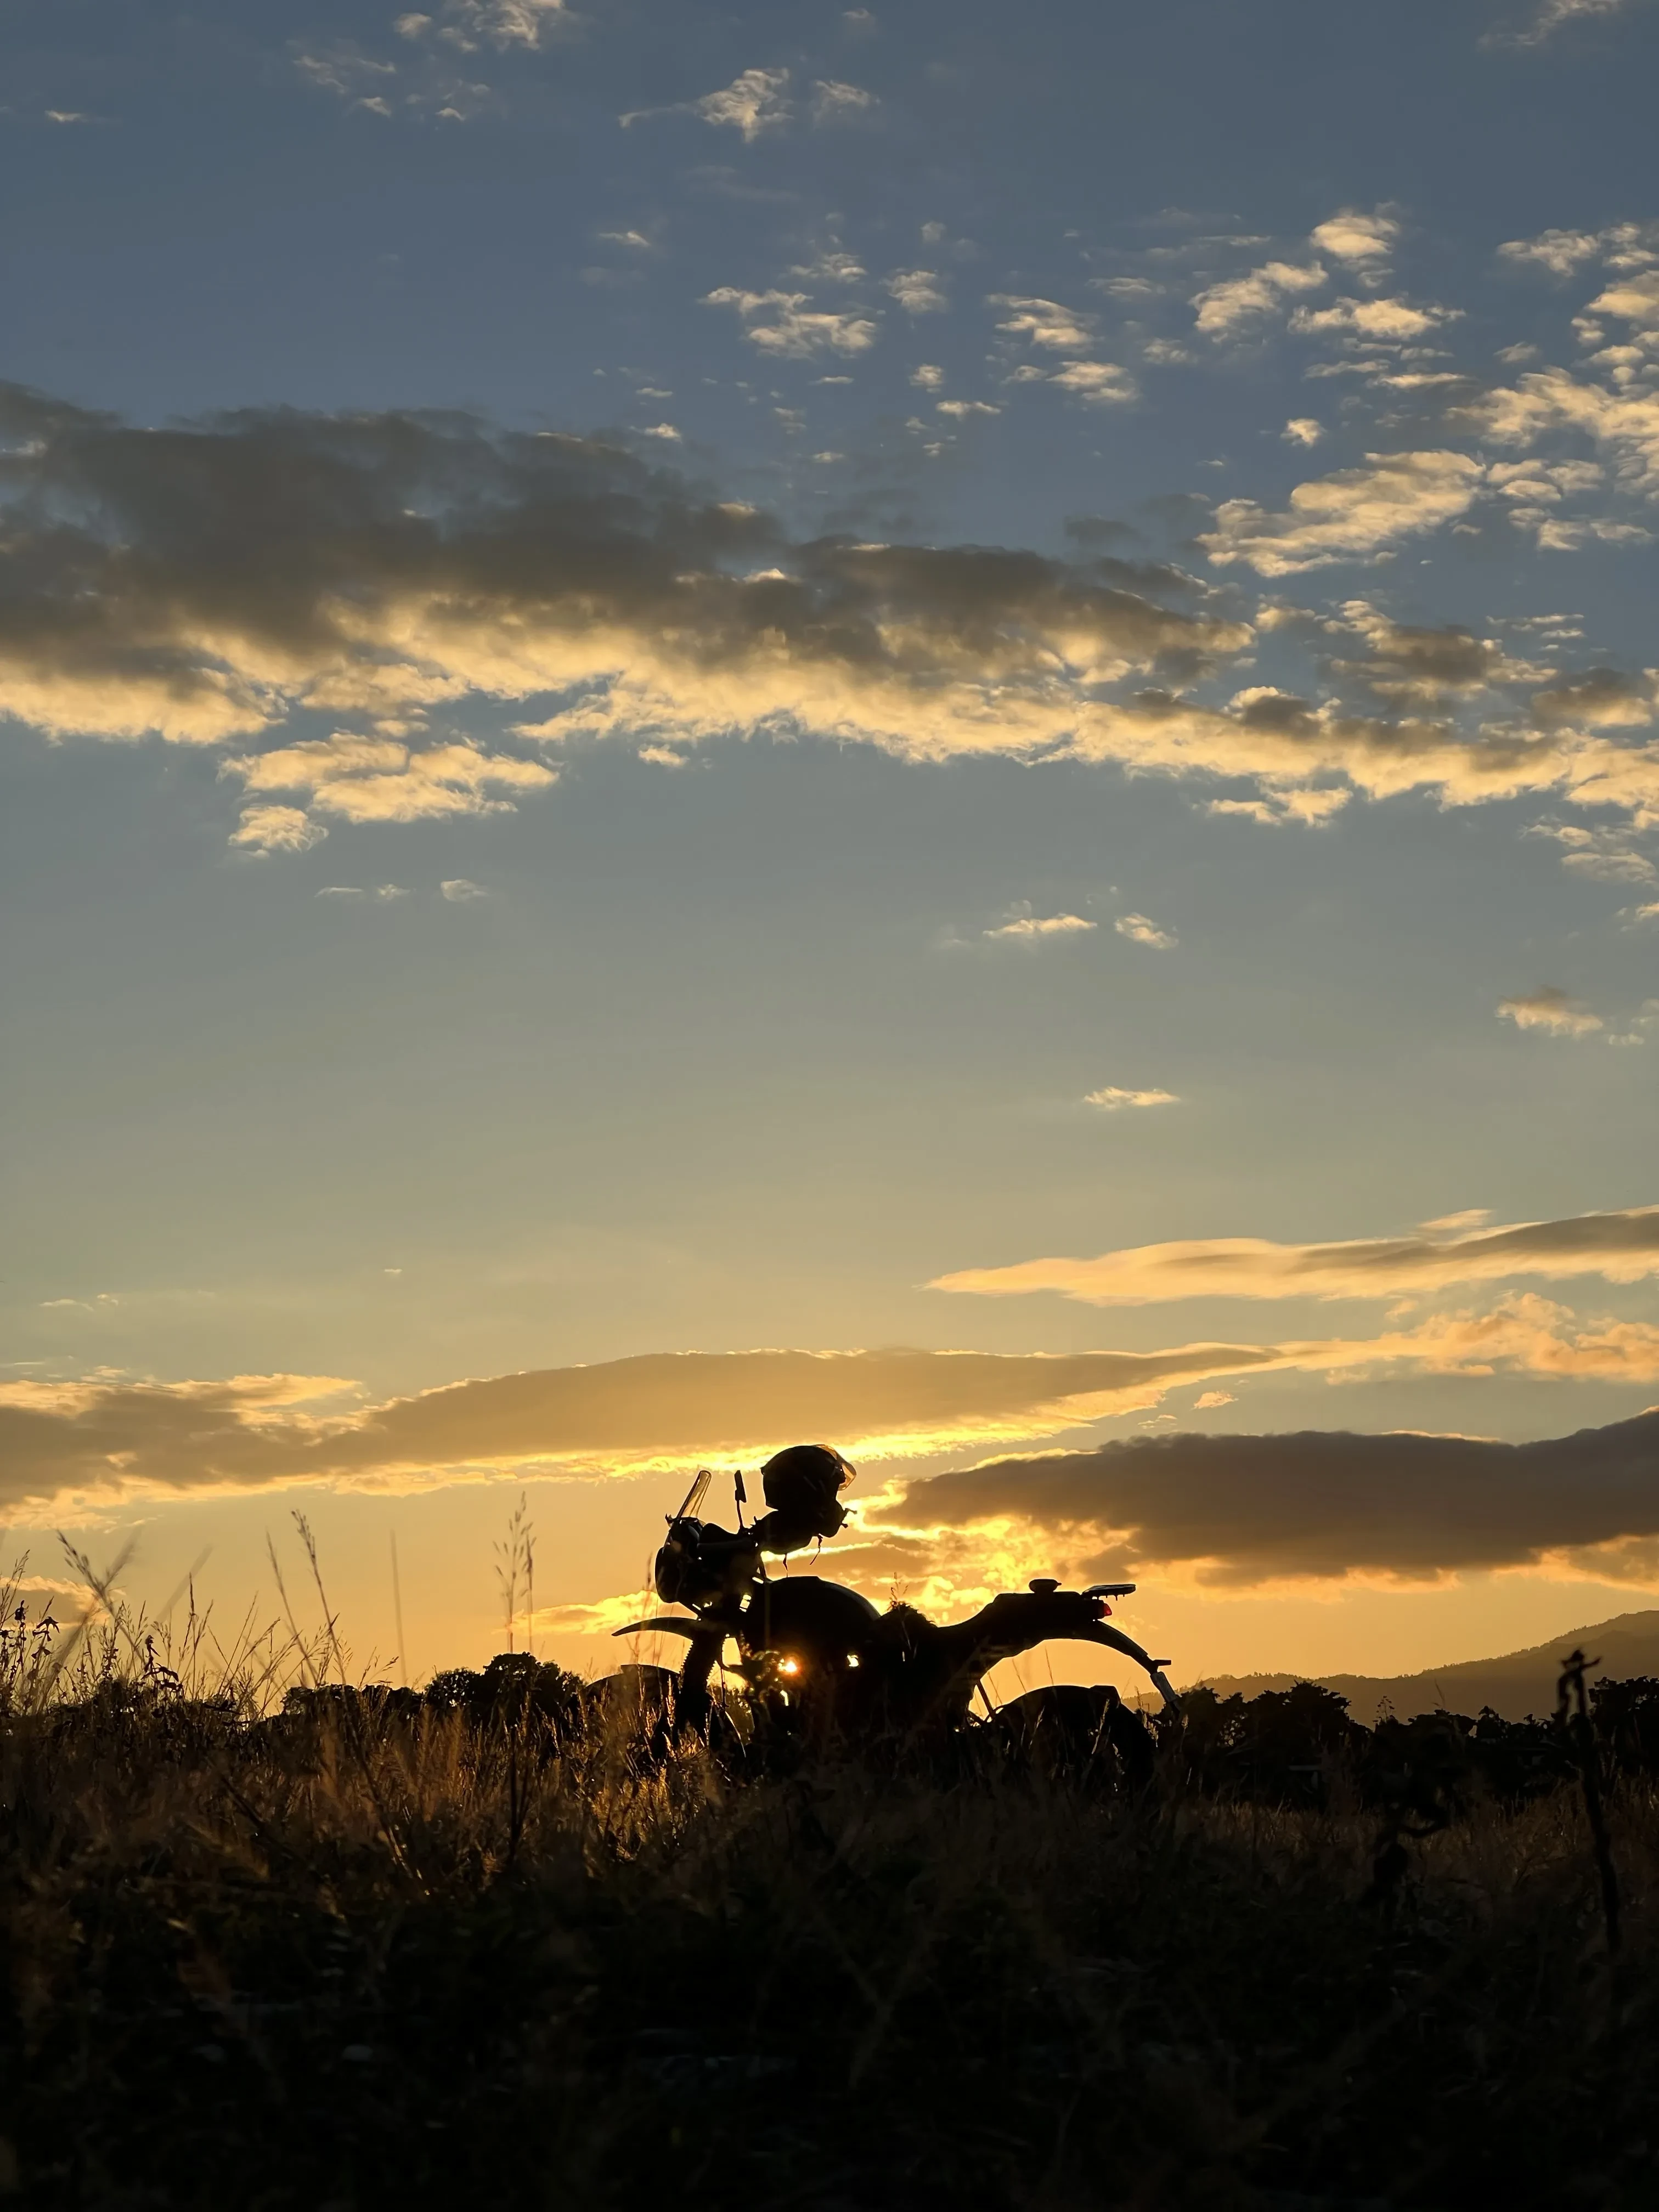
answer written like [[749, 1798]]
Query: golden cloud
[[1619, 1246], [102, 1438], [213, 582], [1351, 514]]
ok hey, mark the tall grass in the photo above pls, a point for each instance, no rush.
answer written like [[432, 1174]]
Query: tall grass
[[366, 1951]]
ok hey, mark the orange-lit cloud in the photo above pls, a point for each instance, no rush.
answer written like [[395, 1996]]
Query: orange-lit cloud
[[1619, 1246], [107, 1437], [1112, 1098], [1552, 1010], [376, 779], [1033, 929], [1351, 514], [1239, 303], [660, 1409]]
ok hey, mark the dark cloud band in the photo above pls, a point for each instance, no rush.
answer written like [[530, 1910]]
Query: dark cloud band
[[1242, 1509]]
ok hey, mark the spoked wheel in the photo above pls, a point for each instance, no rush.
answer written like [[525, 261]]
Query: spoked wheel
[[1085, 1736], [642, 1710]]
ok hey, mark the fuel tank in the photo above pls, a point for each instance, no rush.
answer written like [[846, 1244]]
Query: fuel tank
[[823, 1623]]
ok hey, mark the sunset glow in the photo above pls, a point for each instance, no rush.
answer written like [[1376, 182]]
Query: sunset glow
[[885, 726]]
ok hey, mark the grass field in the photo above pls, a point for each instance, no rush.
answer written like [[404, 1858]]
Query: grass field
[[375, 1953]]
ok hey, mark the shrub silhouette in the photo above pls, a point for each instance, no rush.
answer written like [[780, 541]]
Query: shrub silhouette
[[350, 1955], [1625, 1716]]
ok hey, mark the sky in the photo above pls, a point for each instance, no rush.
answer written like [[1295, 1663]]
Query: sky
[[896, 725]]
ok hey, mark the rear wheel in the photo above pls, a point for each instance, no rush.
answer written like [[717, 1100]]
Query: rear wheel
[[1086, 1736]]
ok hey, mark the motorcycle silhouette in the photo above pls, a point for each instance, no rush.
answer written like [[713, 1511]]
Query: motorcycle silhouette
[[817, 1662]]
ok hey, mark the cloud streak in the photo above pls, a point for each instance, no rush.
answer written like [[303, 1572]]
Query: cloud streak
[[104, 1438], [1550, 16], [101, 1436], [1112, 1098], [1033, 928], [1619, 1247]]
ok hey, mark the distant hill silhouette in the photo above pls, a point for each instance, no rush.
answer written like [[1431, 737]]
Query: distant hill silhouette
[[1518, 1683]]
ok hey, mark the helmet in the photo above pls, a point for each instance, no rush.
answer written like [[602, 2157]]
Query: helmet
[[801, 1484]]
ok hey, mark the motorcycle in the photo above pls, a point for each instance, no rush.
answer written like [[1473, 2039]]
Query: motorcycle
[[816, 1661]]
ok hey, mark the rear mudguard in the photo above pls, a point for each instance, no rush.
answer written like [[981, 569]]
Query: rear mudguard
[[1116, 1640]]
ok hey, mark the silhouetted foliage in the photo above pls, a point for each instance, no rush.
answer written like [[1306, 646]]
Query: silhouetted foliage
[[513, 1687], [1280, 1748], [365, 1953], [1625, 1716]]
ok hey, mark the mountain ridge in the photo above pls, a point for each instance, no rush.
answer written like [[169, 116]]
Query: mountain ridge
[[1514, 1684]]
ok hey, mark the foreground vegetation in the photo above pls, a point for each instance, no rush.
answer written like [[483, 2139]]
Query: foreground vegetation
[[482, 1945]]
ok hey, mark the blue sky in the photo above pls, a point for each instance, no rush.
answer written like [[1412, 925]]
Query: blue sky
[[673, 676]]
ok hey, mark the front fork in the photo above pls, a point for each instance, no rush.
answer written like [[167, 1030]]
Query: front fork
[[701, 1657]]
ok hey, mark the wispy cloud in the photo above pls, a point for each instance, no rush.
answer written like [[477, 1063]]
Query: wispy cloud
[[1551, 1011], [755, 102], [1034, 928], [1101, 382], [1140, 929], [1356, 238], [1561, 251], [371, 779], [1623, 419], [918, 291], [1606, 856], [466, 25], [343, 68], [1238, 303], [1352, 514], [276, 829], [427, 83], [502, 23], [1112, 1099], [1373, 321], [785, 324], [1044, 322], [835, 102], [1548, 17]]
